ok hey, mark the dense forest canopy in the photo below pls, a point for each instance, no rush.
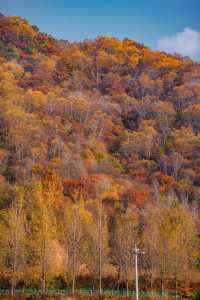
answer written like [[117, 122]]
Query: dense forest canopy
[[99, 150]]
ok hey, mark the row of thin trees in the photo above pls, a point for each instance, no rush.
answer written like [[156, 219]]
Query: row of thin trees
[[43, 238]]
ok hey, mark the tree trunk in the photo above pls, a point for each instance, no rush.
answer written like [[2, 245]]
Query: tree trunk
[[73, 275], [13, 281], [74, 252], [127, 288], [162, 286], [118, 279], [43, 277], [43, 284], [73, 283], [151, 284], [176, 288]]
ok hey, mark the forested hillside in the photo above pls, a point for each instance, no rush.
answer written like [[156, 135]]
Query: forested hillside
[[99, 150]]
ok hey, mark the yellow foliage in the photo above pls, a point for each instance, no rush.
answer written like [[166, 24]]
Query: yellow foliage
[[13, 67]]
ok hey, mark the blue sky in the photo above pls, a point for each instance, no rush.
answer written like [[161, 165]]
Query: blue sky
[[171, 25]]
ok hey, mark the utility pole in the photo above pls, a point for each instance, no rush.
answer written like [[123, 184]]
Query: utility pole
[[136, 252]]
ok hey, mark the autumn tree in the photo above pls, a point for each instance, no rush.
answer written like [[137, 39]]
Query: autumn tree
[[191, 116], [13, 238], [125, 239], [140, 142], [43, 227], [170, 241], [165, 116], [75, 223], [97, 247]]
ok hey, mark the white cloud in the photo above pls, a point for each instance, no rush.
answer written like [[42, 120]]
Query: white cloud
[[186, 43]]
